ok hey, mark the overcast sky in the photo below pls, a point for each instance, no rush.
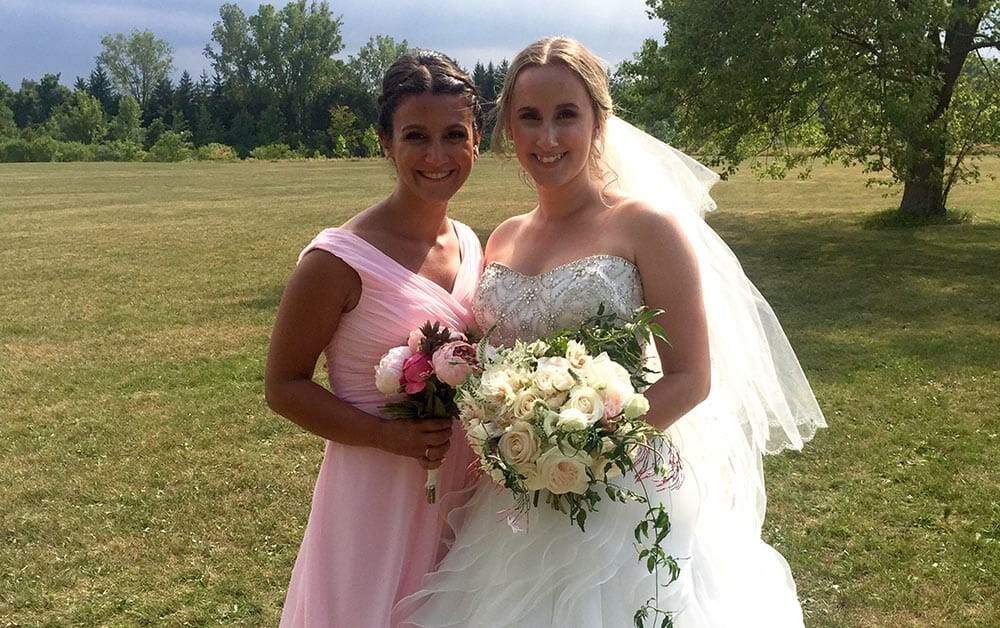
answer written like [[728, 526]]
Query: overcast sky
[[63, 36]]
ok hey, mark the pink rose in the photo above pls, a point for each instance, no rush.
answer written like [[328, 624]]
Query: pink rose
[[454, 361], [417, 370]]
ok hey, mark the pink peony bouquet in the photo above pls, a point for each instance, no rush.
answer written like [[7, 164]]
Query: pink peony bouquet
[[422, 375]]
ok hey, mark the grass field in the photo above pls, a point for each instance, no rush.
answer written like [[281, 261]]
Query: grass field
[[145, 483]]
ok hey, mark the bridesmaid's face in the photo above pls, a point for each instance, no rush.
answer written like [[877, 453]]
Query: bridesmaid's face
[[552, 124], [433, 144]]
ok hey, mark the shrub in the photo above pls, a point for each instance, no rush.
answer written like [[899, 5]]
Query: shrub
[[73, 151], [277, 150], [119, 150], [216, 152], [40, 148], [171, 146]]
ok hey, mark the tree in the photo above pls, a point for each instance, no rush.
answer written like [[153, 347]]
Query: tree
[[160, 103], [126, 126], [370, 142], [136, 63], [869, 83], [185, 97], [374, 58], [35, 102], [342, 129], [100, 87], [281, 56], [81, 119], [8, 128]]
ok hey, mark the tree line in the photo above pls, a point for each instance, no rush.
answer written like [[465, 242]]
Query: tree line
[[275, 92], [907, 90]]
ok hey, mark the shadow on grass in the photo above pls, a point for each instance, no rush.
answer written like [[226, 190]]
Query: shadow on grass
[[850, 297]]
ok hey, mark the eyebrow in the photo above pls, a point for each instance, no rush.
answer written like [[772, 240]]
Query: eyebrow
[[421, 127], [565, 105]]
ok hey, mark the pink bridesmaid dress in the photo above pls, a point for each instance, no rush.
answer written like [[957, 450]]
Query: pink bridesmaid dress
[[371, 535]]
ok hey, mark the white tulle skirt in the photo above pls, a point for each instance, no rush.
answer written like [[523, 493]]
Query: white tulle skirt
[[553, 575]]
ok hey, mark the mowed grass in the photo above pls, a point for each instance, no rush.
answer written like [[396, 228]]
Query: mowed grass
[[144, 482]]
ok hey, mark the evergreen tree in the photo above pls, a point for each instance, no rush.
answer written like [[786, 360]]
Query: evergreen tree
[[160, 103], [185, 99], [100, 87]]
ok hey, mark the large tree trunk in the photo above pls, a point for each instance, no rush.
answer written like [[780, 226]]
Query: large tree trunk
[[923, 190], [922, 198], [924, 194]]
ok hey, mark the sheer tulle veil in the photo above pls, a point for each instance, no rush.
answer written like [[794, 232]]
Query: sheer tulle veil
[[757, 382]]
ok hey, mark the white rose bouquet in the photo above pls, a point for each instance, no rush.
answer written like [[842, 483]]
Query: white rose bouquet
[[559, 418], [422, 376]]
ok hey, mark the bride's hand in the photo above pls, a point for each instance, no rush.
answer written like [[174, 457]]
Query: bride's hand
[[427, 440]]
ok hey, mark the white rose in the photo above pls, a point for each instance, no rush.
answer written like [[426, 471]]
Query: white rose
[[500, 384], [635, 406], [552, 375], [572, 420], [523, 405], [588, 401], [564, 474], [389, 371], [519, 445], [602, 371]]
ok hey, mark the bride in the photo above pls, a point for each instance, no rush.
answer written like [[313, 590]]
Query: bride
[[619, 222]]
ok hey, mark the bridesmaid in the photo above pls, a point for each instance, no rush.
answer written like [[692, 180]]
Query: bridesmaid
[[357, 291]]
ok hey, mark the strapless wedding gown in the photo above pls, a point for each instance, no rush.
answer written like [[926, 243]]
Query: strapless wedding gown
[[551, 574]]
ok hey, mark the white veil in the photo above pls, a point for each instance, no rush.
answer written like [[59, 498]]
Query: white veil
[[757, 382]]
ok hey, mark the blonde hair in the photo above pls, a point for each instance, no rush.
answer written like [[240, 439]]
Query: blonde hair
[[574, 56]]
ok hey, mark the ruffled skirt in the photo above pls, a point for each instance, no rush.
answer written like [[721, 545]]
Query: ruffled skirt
[[553, 575]]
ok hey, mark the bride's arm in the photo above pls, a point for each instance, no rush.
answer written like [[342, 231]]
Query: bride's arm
[[321, 289], [671, 283]]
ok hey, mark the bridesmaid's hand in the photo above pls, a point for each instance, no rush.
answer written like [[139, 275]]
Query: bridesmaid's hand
[[427, 440]]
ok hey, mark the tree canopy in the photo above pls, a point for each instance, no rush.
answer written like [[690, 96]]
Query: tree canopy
[[282, 56], [891, 84], [136, 63], [374, 59]]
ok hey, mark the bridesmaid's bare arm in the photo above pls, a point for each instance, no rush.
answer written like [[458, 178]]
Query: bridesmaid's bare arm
[[321, 289]]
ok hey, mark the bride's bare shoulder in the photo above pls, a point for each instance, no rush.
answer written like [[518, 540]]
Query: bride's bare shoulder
[[653, 237]]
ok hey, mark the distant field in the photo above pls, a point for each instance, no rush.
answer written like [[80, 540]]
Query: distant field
[[145, 482]]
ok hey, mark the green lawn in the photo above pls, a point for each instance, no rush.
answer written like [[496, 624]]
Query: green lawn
[[144, 482]]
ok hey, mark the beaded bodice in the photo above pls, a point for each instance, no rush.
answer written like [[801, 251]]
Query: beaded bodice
[[526, 307]]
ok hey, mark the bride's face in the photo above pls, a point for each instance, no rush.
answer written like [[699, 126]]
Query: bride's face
[[552, 124]]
